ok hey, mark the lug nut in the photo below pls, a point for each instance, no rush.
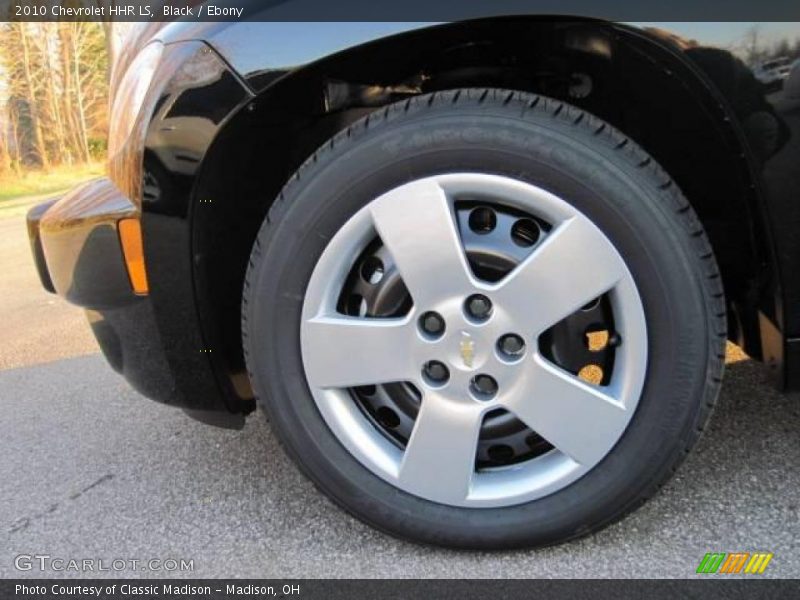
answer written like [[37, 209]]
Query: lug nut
[[511, 345], [484, 386], [479, 307], [436, 372], [432, 323]]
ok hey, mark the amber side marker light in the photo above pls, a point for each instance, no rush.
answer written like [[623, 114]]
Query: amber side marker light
[[130, 236]]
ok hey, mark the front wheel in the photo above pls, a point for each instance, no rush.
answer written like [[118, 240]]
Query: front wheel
[[484, 319]]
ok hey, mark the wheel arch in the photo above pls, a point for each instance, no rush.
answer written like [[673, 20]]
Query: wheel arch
[[641, 84]]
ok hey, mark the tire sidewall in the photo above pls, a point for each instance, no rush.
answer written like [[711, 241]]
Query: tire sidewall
[[585, 171]]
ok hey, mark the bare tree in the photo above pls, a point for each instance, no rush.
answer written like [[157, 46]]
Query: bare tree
[[753, 49], [5, 155], [15, 149], [33, 101], [56, 82]]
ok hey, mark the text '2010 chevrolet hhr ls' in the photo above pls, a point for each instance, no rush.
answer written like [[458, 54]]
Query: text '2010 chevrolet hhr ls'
[[479, 275]]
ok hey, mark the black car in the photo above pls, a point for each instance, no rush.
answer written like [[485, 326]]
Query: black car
[[478, 275]]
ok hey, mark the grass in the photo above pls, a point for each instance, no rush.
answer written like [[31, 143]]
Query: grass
[[17, 194], [39, 182]]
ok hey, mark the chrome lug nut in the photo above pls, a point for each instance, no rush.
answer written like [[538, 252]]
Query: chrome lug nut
[[511, 345], [484, 386], [432, 324], [479, 307], [436, 372]]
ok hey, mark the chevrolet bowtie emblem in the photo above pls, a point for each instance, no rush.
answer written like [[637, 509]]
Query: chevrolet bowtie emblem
[[467, 349]]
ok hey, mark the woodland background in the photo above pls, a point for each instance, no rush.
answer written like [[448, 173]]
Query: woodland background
[[53, 100], [54, 104]]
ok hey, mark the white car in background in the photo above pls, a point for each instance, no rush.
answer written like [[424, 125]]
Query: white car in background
[[772, 73], [791, 88]]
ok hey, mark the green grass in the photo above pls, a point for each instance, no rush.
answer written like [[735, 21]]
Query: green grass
[[39, 182], [18, 194]]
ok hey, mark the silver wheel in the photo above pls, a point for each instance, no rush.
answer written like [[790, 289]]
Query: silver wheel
[[470, 347]]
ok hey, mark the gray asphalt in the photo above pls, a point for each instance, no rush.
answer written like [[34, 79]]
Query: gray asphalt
[[35, 326], [91, 469]]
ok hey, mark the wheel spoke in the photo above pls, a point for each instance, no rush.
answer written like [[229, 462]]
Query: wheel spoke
[[574, 265], [416, 224], [575, 417], [439, 459], [351, 351]]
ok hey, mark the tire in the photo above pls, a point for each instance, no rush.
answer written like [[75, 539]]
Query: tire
[[546, 147]]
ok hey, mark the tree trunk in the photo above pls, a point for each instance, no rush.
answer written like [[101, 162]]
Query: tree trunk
[[5, 157], [76, 120], [51, 76], [82, 128], [16, 161], [33, 106]]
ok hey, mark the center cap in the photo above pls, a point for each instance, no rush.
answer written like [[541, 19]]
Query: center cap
[[466, 348]]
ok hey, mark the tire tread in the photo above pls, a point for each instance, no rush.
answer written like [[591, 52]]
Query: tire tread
[[584, 124]]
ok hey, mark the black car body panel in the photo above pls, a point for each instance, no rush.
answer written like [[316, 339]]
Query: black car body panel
[[170, 344], [154, 340]]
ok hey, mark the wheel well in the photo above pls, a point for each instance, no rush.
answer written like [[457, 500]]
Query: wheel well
[[639, 84]]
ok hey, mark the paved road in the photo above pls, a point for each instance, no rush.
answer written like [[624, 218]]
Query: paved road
[[92, 469], [35, 326]]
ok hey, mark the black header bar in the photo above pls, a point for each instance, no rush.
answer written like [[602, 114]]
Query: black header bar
[[394, 10]]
